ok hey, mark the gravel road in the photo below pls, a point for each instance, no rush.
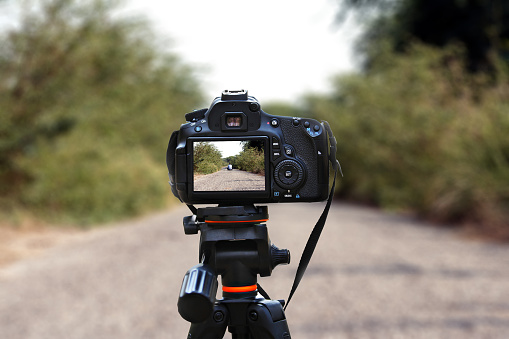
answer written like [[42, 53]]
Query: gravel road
[[374, 275], [233, 180]]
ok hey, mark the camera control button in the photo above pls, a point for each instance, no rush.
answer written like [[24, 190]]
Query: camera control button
[[254, 107], [306, 124], [289, 174], [288, 151], [275, 142], [296, 122], [197, 129], [274, 122], [276, 154], [196, 115], [315, 131]]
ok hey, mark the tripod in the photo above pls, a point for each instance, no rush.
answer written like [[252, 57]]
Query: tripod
[[235, 245]]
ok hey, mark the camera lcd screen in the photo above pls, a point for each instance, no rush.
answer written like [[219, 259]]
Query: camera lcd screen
[[229, 166]]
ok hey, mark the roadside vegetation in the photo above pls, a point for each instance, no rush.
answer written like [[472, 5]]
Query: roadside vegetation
[[424, 126], [207, 158], [418, 133], [88, 100], [250, 159]]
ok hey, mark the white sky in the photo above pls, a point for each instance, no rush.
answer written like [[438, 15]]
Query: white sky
[[276, 49], [228, 148]]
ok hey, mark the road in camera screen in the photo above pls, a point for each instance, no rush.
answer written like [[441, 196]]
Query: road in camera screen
[[233, 180]]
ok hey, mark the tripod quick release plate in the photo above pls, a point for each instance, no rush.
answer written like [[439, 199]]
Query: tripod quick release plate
[[233, 214]]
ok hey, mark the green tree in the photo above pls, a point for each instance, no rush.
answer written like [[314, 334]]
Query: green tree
[[207, 158], [251, 158], [481, 26], [88, 100], [418, 131]]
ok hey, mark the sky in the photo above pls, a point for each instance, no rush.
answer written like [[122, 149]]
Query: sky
[[228, 148], [278, 50]]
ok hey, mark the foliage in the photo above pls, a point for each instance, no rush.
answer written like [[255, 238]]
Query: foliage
[[250, 159], [482, 26], [88, 101], [419, 133], [207, 158]]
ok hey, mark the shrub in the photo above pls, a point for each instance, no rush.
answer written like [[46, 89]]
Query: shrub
[[88, 103], [251, 160], [207, 158], [88, 183], [418, 133]]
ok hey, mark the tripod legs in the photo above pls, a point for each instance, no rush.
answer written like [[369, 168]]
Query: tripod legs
[[246, 319]]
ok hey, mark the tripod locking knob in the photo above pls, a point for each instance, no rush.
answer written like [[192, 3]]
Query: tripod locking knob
[[198, 294], [279, 256], [190, 225]]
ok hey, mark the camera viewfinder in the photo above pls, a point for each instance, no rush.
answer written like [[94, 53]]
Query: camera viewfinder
[[234, 121]]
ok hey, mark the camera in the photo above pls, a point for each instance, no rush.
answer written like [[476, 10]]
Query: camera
[[233, 152]]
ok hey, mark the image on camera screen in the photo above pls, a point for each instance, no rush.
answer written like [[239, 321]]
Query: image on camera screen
[[224, 166]]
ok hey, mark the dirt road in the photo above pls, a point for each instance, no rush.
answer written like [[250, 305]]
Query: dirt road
[[233, 180], [374, 275]]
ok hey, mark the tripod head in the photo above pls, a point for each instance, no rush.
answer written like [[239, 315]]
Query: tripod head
[[235, 245]]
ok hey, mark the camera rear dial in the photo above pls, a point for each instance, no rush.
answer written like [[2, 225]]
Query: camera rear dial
[[289, 174]]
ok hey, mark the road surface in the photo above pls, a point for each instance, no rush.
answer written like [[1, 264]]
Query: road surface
[[373, 275], [233, 180]]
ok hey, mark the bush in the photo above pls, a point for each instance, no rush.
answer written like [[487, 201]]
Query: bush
[[82, 183], [88, 104], [207, 158], [418, 133], [250, 160]]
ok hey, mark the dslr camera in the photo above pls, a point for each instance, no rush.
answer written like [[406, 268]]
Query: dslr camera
[[233, 152]]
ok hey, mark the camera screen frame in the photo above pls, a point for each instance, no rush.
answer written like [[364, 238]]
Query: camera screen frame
[[228, 195]]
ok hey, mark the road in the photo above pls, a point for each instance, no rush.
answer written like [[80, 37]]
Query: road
[[233, 180], [373, 275]]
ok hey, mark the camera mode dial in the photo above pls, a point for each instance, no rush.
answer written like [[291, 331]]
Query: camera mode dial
[[289, 174]]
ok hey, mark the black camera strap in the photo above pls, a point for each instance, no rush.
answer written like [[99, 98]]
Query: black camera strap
[[317, 230], [313, 239], [311, 243]]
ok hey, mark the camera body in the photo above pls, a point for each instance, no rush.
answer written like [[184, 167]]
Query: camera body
[[235, 153]]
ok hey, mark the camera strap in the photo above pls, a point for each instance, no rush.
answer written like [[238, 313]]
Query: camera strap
[[313, 239]]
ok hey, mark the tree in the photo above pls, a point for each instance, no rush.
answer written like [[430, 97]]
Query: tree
[[206, 158], [482, 26], [83, 90]]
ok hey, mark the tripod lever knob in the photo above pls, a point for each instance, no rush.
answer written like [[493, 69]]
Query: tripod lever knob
[[279, 256], [198, 294], [190, 225]]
